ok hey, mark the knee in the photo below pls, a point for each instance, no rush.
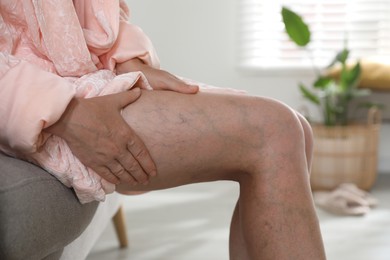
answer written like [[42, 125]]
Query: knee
[[281, 135], [282, 126]]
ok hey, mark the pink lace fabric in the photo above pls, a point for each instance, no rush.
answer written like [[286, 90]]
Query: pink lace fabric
[[51, 51]]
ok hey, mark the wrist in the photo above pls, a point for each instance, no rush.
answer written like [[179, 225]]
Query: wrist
[[60, 127], [134, 64]]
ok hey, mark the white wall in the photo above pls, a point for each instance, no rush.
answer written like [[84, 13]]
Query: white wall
[[197, 39]]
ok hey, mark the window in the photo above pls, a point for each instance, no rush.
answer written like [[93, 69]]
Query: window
[[363, 24]]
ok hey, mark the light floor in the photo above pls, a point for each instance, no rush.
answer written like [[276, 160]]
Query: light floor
[[191, 223]]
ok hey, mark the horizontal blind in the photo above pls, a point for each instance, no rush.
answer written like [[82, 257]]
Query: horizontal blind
[[363, 24]]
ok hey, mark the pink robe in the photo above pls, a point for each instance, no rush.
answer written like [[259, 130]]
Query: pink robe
[[52, 51]]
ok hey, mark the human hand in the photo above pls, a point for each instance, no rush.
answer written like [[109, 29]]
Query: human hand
[[158, 79], [100, 138]]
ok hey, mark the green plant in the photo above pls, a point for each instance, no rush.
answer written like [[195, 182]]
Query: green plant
[[332, 95]]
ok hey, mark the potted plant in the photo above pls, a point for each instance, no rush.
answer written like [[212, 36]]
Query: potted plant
[[344, 150]]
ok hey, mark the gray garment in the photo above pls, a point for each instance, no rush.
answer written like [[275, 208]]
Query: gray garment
[[39, 216]]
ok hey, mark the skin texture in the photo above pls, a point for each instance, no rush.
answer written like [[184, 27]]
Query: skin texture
[[258, 142]]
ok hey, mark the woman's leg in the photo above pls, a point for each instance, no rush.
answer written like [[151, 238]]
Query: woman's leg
[[257, 142]]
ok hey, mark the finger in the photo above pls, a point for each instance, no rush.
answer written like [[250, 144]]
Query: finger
[[141, 154], [180, 86], [131, 165], [121, 173], [106, 174], [186, 87], [191, 89], [125, 98]]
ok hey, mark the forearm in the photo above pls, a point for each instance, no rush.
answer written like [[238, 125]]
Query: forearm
[[61, 128], [131, 65]]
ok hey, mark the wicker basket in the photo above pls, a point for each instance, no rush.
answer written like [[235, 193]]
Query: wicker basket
[[346, 154]]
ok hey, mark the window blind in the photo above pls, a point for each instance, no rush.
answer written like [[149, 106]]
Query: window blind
[[363, 25]]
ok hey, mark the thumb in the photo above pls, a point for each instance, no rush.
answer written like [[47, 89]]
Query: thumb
[[128, 97]]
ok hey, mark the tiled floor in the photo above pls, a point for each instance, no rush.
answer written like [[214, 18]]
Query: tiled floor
[[191, 223]]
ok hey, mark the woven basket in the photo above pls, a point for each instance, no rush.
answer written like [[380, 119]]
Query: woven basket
[[346, 154]]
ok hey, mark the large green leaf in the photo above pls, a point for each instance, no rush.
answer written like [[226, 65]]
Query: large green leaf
[[353, 76], [349, 78], [296, 28], [322, 82], [341, 57], [309, 95]]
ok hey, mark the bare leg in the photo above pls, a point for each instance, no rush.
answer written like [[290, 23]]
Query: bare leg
[[238, 249], [257, 142]]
